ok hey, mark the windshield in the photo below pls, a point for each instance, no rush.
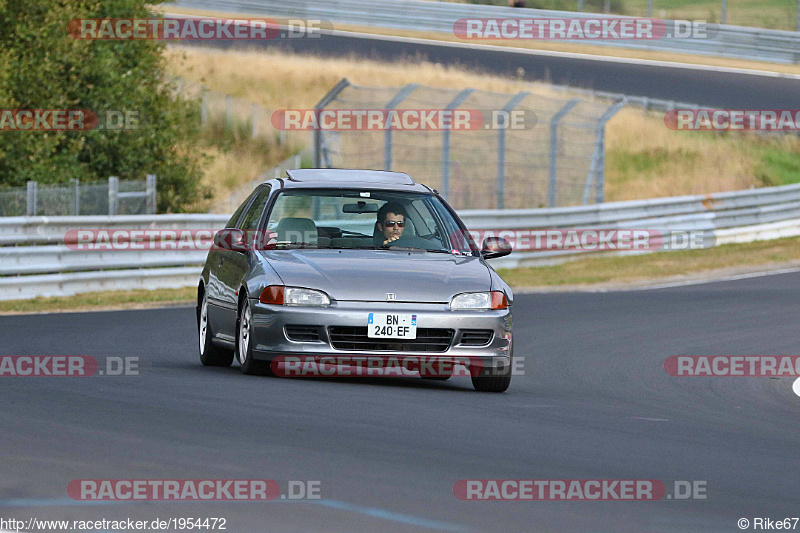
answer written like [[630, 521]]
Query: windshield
[[365, 219]]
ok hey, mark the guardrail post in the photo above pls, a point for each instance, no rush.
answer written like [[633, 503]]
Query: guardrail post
[[597, 167], [401, 95], [723, 17], [580, 5], [254, 122], [607, 7], [552, 184], [151, 194], [457, 101], [322, 104], [203, 105], [77, 197], [501, 147], [297, 160], [797, 26], [113, 195], [649, 8], [32, 198]]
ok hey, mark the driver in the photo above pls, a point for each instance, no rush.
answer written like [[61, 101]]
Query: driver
[[391, 221]]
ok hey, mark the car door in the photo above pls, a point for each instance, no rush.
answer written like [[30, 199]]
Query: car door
[[234, 266]]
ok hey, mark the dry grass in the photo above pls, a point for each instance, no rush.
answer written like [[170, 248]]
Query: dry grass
[[645, 159], [278, 80]]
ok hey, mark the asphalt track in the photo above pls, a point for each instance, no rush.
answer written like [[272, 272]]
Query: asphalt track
[[714, 88], [595, 402]]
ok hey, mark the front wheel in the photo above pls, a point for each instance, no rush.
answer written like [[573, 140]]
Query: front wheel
[[210, 355], [244, 344], [492, 379]]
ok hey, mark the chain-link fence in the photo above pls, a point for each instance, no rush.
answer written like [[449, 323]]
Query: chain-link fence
[[555, 156], [112, 197]]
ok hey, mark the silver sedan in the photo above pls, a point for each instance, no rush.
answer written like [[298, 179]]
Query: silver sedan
[[351, 267]]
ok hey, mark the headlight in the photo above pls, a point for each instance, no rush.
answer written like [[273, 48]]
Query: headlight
[[279, 295], [298, 296], [479, 300]]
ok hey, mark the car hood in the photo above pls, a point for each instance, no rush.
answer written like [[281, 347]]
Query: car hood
[[368, 275]]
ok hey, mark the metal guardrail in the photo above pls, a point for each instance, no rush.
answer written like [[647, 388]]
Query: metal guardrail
[[728, 41], [35, 261]]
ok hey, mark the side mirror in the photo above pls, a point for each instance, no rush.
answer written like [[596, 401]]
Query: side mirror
[[495, 247], [230, 239]]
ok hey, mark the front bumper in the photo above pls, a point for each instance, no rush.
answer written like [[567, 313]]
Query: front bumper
[[270, 338]]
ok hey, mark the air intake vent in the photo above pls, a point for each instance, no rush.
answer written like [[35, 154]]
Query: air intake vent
[[302, 333], [476, 337], [355, 339]]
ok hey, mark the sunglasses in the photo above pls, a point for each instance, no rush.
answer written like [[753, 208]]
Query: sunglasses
[[391, 223]]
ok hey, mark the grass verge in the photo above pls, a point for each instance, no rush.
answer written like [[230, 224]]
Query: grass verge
[[99, 301], [660, 266]]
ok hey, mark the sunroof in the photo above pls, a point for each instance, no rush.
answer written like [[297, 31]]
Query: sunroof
[[348, 175]]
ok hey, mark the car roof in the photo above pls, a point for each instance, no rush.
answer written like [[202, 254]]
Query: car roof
[[340, 178]]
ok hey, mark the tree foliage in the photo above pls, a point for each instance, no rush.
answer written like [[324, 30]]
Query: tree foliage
[[43, 67]]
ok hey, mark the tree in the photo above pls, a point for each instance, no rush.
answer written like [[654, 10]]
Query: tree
[[43, 67]]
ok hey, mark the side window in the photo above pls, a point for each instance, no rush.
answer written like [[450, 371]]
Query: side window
[[256, 209], [429, 224], [238, 213]]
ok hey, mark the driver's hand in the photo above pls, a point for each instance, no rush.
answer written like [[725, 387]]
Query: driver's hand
[[394, 238]]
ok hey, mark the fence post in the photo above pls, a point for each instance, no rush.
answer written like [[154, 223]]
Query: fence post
[[113, 195], [32, 198], [327, 99], [501, 147], [553, 158], [151, 194], [597, 167], [77, 197], [203, 106], [401, 95], [457, 101]]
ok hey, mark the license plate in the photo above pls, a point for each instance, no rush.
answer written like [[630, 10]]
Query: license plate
[[392, 326]]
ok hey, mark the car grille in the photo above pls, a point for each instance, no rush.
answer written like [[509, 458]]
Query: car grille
[[355, 339], [476, 337], [302, 333]]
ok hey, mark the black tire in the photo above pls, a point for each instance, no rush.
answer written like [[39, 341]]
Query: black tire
[[210, 355], [244, 346], [492, 379]]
